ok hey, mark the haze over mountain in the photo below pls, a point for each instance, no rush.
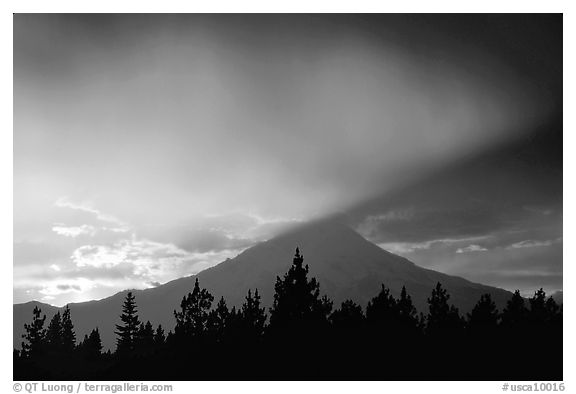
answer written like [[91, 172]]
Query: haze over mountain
[[346, 265]]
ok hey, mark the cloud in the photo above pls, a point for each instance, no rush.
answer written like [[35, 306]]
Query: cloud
[[471, 248], [150, 261], [113, 224], [371, 224], [404, 247], [73, 284], [74, 231], [394, 215], [529, 243], [99, 256], [428, 219], [68, 287], [409, 247], [86, 206], [101, 270], [216, 232], [57, 287]]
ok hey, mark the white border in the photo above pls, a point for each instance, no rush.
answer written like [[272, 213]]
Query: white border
[[6, 160]]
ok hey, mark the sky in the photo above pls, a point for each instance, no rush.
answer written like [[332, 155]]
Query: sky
[[150, 147]]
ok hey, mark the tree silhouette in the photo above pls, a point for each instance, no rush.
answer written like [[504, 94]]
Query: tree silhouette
[[484, 315], [543, 311], [349, 316], [145, 338], [443, 319], [35, 335], [406, 310], [253, 317], [159, 337], [515, 312], [54, 334], [91, 346], [538, 310], [127, 331], [382, 310], [218, 320], [191, 321], [68, 335], [297, 300]]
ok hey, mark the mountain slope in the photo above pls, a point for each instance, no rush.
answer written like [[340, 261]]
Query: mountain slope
[[346, 265]]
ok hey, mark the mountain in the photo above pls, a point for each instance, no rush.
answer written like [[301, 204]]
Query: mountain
[[346, 265]]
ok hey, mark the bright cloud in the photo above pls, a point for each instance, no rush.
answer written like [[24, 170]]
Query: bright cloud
[[74, 231], [101, 256], [61, 289], [75, 285], [471, 248], [117, 258], [149, 260]]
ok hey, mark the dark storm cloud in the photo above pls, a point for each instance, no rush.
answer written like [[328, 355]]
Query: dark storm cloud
[[516, 186]]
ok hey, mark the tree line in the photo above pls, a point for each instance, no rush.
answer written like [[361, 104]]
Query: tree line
[[304, 337]]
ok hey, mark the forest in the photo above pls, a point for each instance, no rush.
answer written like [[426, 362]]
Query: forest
[[303, 336]]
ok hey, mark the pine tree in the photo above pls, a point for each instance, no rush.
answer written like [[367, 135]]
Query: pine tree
[[407, 312], [95, 341], [383, 309], [54, 334], [253, 317], [442, 318], [232, 326], [349, 316], [127, 331], [68, 335], [515, 313], [81, 345], [170, 339], [297, 301], [538, 313], [159, 337], [35, 335], [91, 346], [218, 320], [191, 321], [484, 315], [145, 338]]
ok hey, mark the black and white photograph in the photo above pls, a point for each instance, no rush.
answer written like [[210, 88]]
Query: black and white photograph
[[288, 197]]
